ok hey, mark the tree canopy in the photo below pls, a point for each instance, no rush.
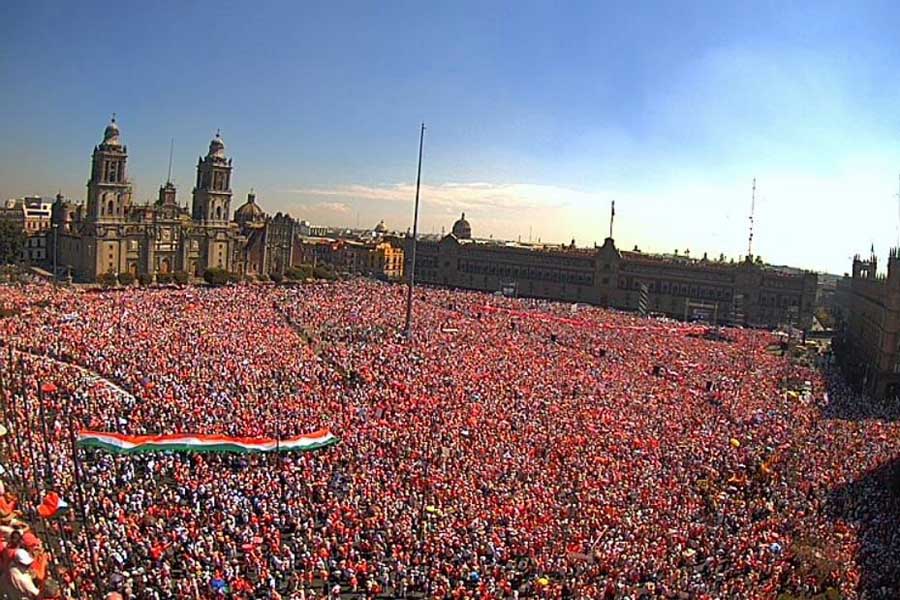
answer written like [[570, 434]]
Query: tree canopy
[[12, 241]]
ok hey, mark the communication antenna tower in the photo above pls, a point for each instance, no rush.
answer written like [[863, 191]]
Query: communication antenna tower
[[752, 210], [898, 214]]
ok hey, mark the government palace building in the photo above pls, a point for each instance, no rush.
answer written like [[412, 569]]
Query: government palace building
[[744, 293], [109, 233]]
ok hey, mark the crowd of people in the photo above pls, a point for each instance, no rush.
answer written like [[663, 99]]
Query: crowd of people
[[508, 448]]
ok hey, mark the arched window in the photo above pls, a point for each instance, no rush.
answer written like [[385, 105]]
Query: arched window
[[218, 213], [111, 208]]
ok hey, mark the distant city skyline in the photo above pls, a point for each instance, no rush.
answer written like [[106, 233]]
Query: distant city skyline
[[538, 115]]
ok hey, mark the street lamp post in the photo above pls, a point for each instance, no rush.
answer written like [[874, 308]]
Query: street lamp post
[[55, 251]]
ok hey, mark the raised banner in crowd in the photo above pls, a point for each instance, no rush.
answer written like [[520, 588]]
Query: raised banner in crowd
[[184, 442], [548, 317]]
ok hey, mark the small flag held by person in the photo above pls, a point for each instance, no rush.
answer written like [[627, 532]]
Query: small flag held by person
[[52, 506]]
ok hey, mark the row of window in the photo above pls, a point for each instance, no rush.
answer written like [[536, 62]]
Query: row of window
[[220, 181], [547, 261], [780, 301], [555, 276], [678, 289], [705, 293], [114, 171]]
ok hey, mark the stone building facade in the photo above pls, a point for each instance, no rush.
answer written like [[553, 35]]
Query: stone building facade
[[273, 245], [869, 341], [380, 258], [744, 293], [111, 234], [32, 215]]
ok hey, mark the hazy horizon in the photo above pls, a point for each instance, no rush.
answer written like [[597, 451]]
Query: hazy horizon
[[537, 116]]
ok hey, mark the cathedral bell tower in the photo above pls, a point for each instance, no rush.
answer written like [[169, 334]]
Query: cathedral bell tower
[[212, 193], [109, 191]]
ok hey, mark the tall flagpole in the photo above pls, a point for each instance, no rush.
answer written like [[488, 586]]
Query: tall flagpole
[[12, 425], [279, 460], [46, 434], [29, 439], [79, 490], [411, 278], [171, 152]]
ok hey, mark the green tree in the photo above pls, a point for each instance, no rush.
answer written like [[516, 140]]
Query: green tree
[[305, 271], [145, 278], [126, 278], [215, 276], [106, 279], [181, 277], [12, 242], [325, 272], [276, 277]]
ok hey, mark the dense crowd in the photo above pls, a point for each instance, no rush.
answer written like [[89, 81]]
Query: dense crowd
[[509, 449]]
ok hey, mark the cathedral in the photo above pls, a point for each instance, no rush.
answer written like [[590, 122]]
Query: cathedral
[[109, 233]]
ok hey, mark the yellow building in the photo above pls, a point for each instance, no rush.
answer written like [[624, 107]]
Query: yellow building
[[386, 261]]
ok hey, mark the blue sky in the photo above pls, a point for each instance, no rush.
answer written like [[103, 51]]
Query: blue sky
[[538, 114]]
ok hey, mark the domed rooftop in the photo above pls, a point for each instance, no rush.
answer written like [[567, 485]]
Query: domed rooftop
[[111, 133], [249, 211], [217, 146], [461, 229]]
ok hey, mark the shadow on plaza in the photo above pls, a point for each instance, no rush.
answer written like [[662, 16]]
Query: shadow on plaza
[[872, 503], [847, 403]]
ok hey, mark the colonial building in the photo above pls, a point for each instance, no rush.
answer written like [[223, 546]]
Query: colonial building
[[272, 242], [111, 234], [386, 261], [869, 343], [746, 293], [381, 258], [32, 215]]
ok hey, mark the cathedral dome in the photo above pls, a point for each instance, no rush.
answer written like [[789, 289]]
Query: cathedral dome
[[461, 229], [217, 146], [249, 211], [111, 133]]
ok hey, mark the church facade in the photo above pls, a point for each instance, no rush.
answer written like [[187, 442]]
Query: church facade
[[109, 233]]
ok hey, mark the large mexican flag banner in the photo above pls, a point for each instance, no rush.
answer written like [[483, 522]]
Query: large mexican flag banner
[[190, 442]]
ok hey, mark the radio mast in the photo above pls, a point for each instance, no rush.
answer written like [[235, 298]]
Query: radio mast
[[898, 215], [752, 210]]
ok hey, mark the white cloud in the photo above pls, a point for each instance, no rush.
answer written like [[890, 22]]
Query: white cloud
[[806, 219], [334, 207], [457, 197]]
